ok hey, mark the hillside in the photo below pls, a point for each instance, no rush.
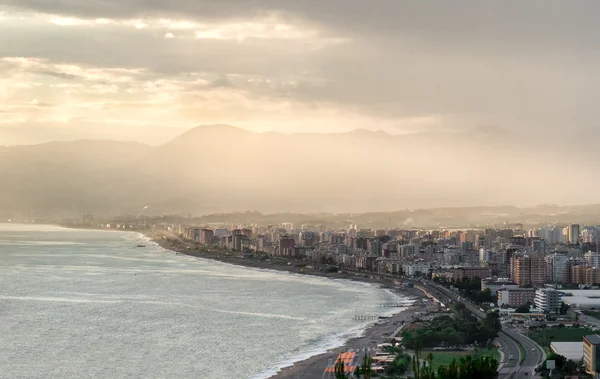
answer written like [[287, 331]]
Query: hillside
[[219, 168]]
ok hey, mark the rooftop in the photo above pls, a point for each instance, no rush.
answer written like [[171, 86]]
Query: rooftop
[[570, 350], [499, 282], [594, 339]]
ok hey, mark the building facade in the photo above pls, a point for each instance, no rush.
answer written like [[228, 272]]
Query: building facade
[[591, 354], [557, 268], [528, 269], [547, 300], [286, 246], [573, 231], [471, 272], [515, 297], [206, 236], [495, 285]]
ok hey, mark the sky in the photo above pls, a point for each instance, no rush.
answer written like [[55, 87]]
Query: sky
[[146, 70]]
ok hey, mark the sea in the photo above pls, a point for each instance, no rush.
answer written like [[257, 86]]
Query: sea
[[92, 304]]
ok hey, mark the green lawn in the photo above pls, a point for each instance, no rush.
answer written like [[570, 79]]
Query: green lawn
[[445, 357], [545, 337]]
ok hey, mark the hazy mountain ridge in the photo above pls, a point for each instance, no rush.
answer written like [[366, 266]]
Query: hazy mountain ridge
[[457, 217], [220, 168]]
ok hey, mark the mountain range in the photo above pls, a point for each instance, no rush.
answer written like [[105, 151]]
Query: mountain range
[[220, 168]]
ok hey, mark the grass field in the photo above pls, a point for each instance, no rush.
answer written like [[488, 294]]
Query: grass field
[[545, 337], [445, 357]]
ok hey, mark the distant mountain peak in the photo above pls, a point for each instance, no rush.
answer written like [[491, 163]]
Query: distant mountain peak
[[203, 132]]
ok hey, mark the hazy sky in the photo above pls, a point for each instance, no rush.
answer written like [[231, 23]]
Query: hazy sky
[[125, 66]]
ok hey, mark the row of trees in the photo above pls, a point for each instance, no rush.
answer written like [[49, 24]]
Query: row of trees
[[363, 370], [448, 331], [463, 368]]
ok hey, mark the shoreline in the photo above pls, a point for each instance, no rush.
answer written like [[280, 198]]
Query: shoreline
[[172, 242], [314, 365]]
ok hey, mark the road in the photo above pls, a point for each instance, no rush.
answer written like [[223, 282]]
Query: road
[[533, 354], [511, 340]]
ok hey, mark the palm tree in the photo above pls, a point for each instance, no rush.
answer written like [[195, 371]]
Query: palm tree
[[416, 363], [340, 370], [366, 366]]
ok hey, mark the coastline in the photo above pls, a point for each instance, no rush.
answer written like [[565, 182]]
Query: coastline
[[305, 365], [172, 242], [313, 366]]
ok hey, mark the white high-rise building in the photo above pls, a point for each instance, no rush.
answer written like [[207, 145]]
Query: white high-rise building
[[485, 255], [547, 300], [573, 234], [552, 235]]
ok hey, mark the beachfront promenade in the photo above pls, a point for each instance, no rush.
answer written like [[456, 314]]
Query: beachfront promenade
[[386, 329], [510, 341]]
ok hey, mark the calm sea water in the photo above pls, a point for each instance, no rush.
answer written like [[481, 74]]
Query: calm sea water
[[91, 304]]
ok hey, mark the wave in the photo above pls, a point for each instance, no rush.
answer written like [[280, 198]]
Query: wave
[[327, 345], [39, 243], [337, 340], [123, 300]]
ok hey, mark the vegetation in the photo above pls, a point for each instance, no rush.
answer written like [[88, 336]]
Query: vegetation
[[458, 331], [339, 370], [544, 337], [399, 366], [523, 308], [564, 366], [470, 289], [365, 367], [564, 308], [446, 357], [467, 367]]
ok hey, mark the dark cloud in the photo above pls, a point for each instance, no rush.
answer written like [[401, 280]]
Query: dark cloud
[[519, 64], [58, 75], [485, 22]]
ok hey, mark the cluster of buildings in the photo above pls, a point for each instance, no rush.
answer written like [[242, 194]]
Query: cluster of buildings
[[517, 264]]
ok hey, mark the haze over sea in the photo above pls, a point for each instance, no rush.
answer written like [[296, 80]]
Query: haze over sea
[[82, 303]]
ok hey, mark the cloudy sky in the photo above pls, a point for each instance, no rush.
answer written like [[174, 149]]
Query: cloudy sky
[[132, 69]]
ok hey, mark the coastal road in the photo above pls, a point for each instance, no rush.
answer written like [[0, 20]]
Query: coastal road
[[509, 339], [534, 355], [508, 367], [509, 347]]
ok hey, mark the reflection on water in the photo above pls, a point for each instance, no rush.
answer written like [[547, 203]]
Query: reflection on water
[[79, 303]]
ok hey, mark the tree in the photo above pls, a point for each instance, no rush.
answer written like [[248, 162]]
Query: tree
[[469, 368], [522, 309], [563, 308], [340, 370], [570, 367], [559, 359], [365, 368], [416, 361]]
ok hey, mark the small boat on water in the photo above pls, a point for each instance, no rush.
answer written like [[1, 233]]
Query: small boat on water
[[141, 245]]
